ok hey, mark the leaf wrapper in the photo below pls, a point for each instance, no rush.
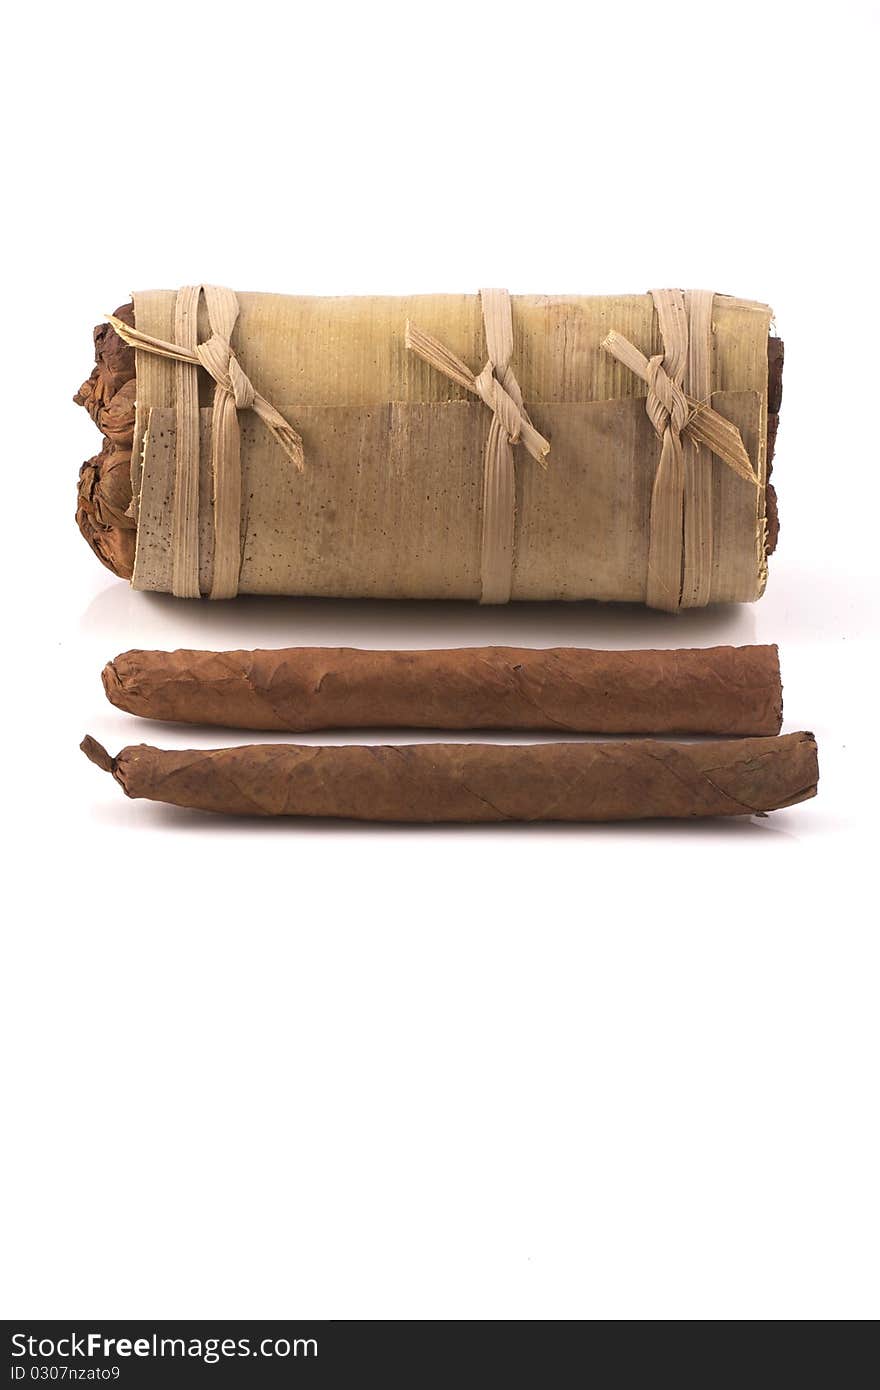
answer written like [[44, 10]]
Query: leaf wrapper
[[476, 783], [389, 504], [715, 690]]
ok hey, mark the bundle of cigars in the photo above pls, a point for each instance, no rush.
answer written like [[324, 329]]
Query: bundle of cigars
[[482, 447], [734, 695]]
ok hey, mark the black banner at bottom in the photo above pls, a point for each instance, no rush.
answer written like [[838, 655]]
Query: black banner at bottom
[[144, 1353]]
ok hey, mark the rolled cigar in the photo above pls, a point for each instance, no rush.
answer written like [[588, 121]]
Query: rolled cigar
[[476, 783], [716, 690], [393, 499]]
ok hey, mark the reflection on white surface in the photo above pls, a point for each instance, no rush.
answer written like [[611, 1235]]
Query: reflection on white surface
[[146, 815], [141, 619], [797, 606]]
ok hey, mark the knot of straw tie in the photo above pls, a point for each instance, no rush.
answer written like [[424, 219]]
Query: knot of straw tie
[[667, 405], [234, 391], [677, 530], [496, 386], [220, 362], [502, 395], [670, 407], [499, 389]]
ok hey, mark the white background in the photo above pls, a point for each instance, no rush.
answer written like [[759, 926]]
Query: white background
[[265, 1070]]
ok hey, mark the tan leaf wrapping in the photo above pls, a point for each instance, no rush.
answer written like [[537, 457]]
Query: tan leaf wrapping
[[391, 501]]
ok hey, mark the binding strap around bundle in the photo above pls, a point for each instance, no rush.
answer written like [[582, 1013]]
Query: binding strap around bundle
[[498, 388], [679, 387], [233, 391]]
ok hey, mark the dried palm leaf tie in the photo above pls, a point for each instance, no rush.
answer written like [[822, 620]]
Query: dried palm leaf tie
[[233, 391], [498, 388], [679, 387]]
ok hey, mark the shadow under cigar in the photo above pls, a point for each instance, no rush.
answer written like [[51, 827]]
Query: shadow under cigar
[[159, 620], [209, 736], [160, 817]]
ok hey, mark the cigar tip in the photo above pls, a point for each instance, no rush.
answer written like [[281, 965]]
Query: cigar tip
[[97, 754], [111, 683], [808, 739], [778, 700]]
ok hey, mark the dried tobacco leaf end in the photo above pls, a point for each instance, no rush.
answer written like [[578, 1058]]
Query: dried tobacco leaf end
[[775, 364], [775, 367], [97, 754], [104, 491]]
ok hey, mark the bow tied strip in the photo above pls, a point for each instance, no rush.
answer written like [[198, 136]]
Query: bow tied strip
[[667, 403], [221, 363], [498, 388], [680, 540], [234, 391]]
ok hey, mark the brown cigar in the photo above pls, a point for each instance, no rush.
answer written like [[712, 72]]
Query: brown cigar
[[474, 782], [717, 690]]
